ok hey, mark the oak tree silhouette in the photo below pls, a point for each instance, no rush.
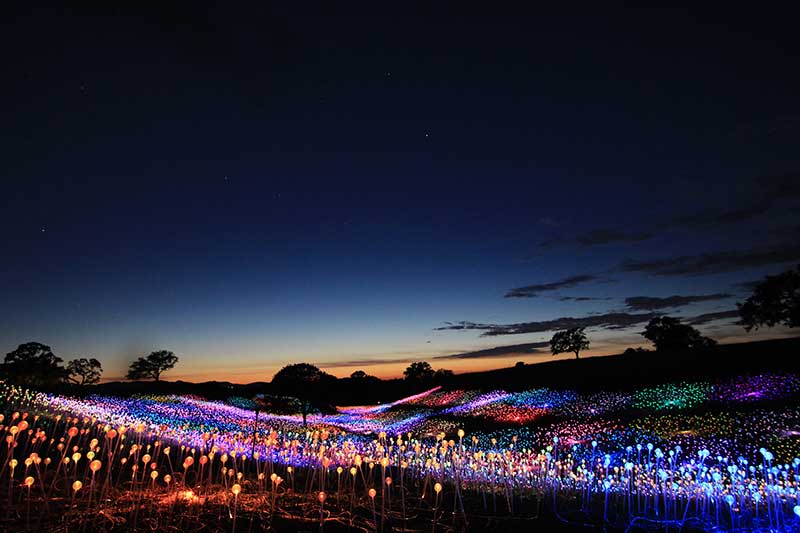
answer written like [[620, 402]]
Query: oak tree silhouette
[[775, 301], [152, 366], [571, 340], [83, 371]]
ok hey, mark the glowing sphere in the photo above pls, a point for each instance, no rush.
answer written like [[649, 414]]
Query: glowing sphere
[[95, 465], [372, 493], [236, 489], [77, 485]]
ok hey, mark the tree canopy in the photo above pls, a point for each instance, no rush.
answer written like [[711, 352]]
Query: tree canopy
[[33, 364], [775, 301], [571, 340], [305, 382], [153, 365], [84, 371], [669, 334], [419, 371]]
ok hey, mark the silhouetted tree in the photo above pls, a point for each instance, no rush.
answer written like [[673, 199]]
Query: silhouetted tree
[[359, 374], [419, 371], [669, 334], [519, 364], [153, 365], [84, 371], [443, 375], [634, 351], [305, 382], [34, 365], [774, 301], [571, 340]]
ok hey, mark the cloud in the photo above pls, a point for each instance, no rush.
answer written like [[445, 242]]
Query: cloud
[[747, 286], [605, 236], [598, 237], [583, 299], [651, 303], [604, 321], [781, 187], [500, 351], [714, 262], [532, 291], [366, 362], [769, 190], [710, 317], [724, 217]]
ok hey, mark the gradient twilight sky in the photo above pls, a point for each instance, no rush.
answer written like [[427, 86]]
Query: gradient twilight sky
[[362, 189]]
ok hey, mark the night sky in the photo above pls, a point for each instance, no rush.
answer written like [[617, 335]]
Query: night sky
[[251, 188]]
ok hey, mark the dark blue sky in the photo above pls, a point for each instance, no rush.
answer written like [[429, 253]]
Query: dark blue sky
[[252, 188]]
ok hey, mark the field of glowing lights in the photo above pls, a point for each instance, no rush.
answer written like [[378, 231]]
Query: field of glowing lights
[[691, 456]]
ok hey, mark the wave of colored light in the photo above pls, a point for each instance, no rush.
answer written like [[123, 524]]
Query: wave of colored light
[[735, 459]]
